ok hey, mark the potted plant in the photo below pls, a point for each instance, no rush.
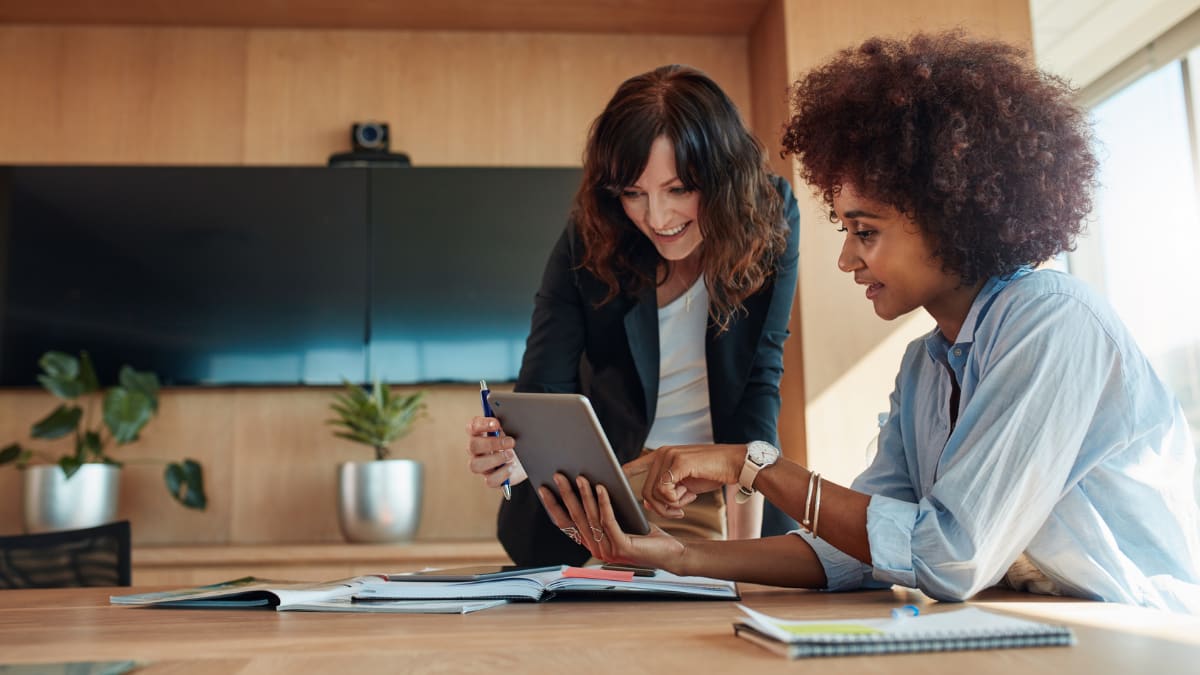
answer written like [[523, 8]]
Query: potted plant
[[380, 500], [79, 488]]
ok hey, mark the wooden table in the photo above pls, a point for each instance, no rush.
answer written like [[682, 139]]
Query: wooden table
[[180, 566], [560, 636]]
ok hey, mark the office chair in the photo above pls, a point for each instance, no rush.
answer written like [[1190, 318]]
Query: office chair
[[95, 556]]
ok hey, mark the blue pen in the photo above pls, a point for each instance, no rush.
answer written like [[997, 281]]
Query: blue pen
[[487, 412], [905, 612]]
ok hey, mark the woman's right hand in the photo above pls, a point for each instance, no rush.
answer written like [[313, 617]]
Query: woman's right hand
[[589, 520], [492, 456]]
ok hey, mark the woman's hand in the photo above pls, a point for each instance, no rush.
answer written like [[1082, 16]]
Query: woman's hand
[[589, 520], [677, 474], [492, 456]]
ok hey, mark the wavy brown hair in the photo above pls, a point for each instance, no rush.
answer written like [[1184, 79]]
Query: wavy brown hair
[[987, 154], [740, 214]]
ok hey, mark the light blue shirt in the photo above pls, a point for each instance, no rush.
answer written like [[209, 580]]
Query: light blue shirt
[[1067, 448]]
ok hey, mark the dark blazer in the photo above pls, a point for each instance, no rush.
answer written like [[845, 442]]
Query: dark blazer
[[611, 354]]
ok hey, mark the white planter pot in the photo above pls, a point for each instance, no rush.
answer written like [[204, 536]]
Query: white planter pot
[[55, 502], [379, 501]]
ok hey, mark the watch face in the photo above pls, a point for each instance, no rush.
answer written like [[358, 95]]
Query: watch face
[[761, 452]]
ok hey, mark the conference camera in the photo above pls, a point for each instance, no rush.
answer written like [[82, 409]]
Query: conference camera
[[369, 137], [370, 146]]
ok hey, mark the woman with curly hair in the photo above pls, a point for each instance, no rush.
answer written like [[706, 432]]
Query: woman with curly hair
[[666, 301], [1029, 442]]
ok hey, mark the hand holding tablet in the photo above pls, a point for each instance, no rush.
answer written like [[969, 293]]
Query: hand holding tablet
[[559, 433]]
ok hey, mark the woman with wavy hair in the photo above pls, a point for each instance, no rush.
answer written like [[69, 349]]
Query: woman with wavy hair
[[665, 301], [1029, 442]]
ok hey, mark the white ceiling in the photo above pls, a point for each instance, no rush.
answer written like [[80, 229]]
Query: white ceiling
[[1083, 39]]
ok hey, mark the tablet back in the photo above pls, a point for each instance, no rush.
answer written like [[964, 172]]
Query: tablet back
[[559, 433]]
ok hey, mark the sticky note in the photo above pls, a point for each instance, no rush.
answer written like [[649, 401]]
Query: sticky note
[[595, 573], [827, 628]]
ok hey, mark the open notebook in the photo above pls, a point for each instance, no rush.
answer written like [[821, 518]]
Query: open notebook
[[331, 596], [968, 628], [543, 585]]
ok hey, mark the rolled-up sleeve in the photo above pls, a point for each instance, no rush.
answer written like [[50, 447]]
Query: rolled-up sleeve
[[890, 524], [842, 572]]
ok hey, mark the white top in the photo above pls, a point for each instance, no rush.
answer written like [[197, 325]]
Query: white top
[[682, 416]]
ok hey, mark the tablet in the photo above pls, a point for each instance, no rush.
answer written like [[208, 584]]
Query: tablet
[[559, 433], [473, 573]]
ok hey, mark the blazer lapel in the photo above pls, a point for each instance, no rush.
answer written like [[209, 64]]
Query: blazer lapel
[[641, 329]]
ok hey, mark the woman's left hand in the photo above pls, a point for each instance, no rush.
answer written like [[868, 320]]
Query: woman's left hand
[[677, 474], [590, 521]]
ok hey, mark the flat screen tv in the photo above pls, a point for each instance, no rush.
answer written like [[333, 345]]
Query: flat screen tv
[[274, 276], [456, 258]]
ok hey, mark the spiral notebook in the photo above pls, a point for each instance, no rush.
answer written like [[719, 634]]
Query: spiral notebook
[[969, 628]]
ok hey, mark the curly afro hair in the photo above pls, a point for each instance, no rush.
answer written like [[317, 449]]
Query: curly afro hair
[[987, 154]]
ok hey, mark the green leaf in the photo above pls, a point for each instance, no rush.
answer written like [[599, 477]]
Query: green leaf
[[60, 366], [90, 445], [185, 482], [10, 453], [126, 413], [374, 417], [144, 382], [62, 421], [87, 374], [173, 477], [63, 388], [60, 375], [69, 465]]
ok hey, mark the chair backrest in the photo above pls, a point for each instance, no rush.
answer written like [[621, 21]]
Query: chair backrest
[[96, 556]]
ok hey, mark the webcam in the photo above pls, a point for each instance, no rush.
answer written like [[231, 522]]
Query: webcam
[[369, 137], [370, 146]]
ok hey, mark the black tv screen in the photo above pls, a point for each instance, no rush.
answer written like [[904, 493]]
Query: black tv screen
[[271, 276], [457, 256]]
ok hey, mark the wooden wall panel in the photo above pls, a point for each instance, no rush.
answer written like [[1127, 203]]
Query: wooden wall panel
[[121, 95], [730, 17], [270, 465], [770, 80], [488, 99]]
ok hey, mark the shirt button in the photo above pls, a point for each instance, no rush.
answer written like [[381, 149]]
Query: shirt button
[[957, 351]]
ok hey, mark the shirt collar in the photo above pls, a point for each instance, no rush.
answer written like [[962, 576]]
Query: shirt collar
[[937, 345]]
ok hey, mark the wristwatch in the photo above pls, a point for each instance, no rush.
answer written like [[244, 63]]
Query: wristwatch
[[759, 455]]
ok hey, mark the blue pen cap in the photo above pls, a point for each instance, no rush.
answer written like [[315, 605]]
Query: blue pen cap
[[905, 612]]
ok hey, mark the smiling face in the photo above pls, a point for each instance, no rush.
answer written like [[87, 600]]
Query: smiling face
[[662, 208], [888, 253]]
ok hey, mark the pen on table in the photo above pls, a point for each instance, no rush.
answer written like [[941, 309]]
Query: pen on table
[[905, 612], [487, 412]]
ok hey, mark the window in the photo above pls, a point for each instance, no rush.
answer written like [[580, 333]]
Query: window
[[1143, 245]]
